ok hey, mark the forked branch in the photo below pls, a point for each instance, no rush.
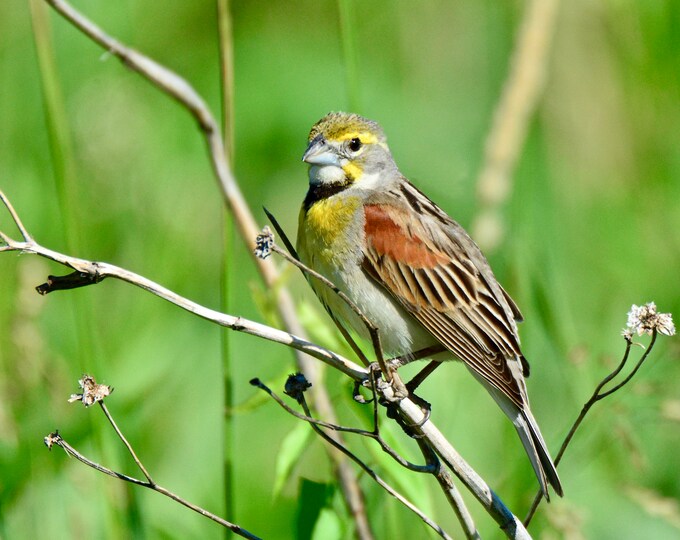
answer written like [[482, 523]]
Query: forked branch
[[179, 89], [410, 412], [641, 320], [96, 393]]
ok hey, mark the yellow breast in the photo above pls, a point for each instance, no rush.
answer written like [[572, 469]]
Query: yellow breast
[[328, 232]]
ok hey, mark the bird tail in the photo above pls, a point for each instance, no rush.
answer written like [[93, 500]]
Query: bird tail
[[531, 438], [535, 446]]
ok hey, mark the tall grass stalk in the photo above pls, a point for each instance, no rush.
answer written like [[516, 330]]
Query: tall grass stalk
[[227, 90], [65, 184], [348, 33]]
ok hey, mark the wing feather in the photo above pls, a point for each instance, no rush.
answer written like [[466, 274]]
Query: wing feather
[[438, 274]]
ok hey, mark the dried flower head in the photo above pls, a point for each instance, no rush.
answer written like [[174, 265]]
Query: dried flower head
[[646, 320], [263, 243], [52, 439], [627, 334], [92, 392]]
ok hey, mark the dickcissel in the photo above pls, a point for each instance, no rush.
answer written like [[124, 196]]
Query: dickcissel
[[411, 269]]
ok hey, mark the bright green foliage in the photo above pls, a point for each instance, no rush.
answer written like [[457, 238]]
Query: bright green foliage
[[591, 227]]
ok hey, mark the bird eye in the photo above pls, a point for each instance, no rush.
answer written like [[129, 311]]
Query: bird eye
[[355, 144]]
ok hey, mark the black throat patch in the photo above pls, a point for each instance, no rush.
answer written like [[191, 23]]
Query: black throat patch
[[318, 192]]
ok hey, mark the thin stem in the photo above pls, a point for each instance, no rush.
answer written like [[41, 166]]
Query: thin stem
[[372, 329], [453, 496], [588, 404], [635, 369], [101, 270], [226, 47], [594, 398], [357, 431], [17, 220], [126, 443], [403, 500], [293, 258], [228, 425], [55, 438]]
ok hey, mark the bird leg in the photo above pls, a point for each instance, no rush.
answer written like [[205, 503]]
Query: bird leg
[[402, 390], [422, 375], [407, 358], [409, 388], [415, 383]]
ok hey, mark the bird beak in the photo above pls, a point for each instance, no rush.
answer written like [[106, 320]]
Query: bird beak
[[319, 153]]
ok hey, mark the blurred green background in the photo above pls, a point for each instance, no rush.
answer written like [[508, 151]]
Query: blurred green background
[[591, 227]]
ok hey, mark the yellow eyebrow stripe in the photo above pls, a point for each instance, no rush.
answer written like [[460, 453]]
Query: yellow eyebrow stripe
[[365, 137]]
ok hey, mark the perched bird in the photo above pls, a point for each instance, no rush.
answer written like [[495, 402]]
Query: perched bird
[[411, 269]]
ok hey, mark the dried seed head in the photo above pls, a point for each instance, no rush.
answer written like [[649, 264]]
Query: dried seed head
[[646, 320], [92, 392], [263, 243]]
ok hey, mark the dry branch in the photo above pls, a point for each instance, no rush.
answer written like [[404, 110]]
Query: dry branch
[[411, 413], [514, 110], [179, 89]]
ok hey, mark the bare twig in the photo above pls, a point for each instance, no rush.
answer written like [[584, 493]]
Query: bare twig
[[450, 491], [411, 412], [101, 270], [299, 396], [56, 439], [372, 329], [357, 431], [96, 393], [597, 395], [633, 371], [16, 219], [294, 259], [127, 444], [514, 110]]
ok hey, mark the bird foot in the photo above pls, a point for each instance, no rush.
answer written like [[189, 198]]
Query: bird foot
[[392, 393]]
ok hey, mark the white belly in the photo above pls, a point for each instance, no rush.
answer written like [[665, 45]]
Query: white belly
[[399, 332]]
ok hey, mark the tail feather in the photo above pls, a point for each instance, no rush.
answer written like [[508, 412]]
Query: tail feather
[[535, 446], [531, 438]]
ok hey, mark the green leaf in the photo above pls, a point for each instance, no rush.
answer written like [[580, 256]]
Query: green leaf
[[314, 497], [328, 526], [291, 450]]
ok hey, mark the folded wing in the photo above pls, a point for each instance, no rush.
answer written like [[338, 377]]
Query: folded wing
[[439, 275]]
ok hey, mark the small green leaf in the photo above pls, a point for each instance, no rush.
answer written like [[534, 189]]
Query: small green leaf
[[327, 526], [291, 450], [313, 499]]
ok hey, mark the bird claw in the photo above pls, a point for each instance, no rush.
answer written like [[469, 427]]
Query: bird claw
[[391, 394], [425, 407], [393, 389], [356, 395]]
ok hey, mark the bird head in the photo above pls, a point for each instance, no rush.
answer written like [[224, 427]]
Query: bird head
[[346, 149]]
